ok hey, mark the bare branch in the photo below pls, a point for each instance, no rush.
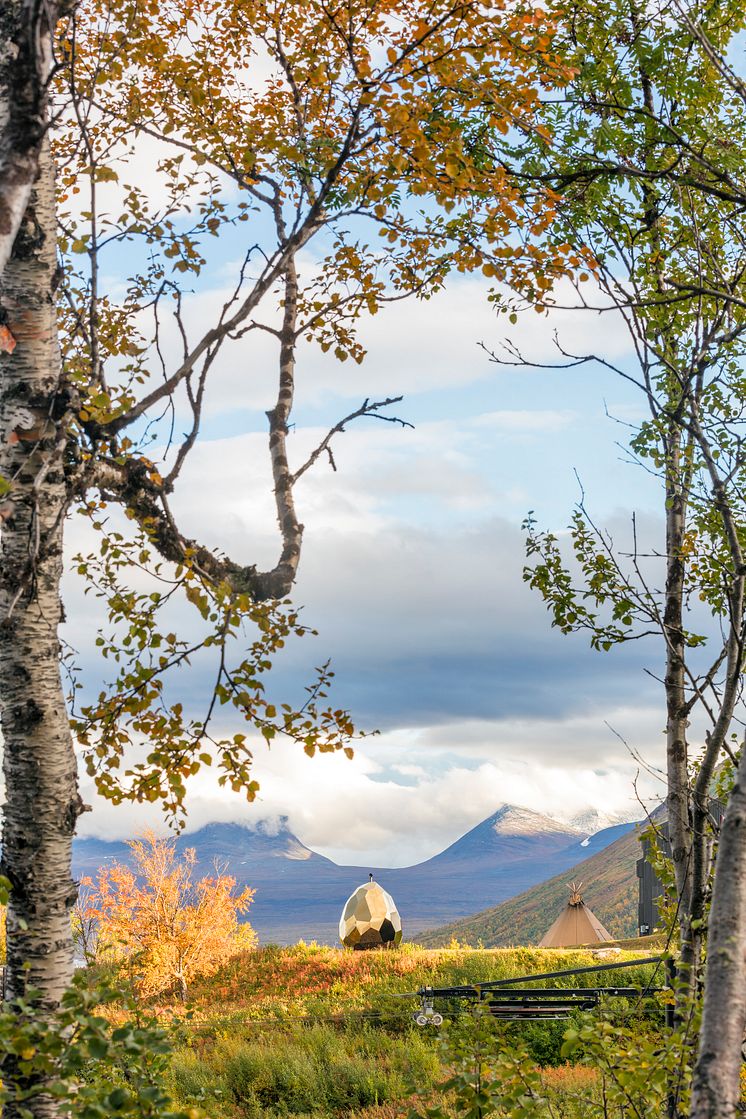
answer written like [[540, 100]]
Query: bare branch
[[367, 408]]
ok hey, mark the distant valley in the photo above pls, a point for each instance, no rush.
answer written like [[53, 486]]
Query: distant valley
[[300, 894]]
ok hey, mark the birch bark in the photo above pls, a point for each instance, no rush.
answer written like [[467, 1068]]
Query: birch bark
[[675, 679], [26, 59], [716, 1082], [42, 801]]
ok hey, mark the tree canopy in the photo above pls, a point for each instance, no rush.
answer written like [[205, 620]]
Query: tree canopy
[[161, 924]]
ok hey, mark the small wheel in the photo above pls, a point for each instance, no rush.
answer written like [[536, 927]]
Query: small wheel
[[421, 1019], [437, 1019]]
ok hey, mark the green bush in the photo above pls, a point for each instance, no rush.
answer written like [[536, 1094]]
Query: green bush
[[318, 1071], [191, 1079], [542, 1040], [90, 1067]]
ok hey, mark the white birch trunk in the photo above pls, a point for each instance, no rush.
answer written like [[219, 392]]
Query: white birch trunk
[[716, 1084], [42, 802], [26, 57]]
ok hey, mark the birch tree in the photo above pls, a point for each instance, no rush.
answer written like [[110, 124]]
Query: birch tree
[[649, 157], [351, 136], [167, 928], [27, 62]]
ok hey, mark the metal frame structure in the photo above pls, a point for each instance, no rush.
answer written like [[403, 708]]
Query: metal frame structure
[[509, 1002]]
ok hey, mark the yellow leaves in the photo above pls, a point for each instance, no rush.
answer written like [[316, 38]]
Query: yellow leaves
[[317, 76], [398, 117], [199, 599], [105, 175], [176, 927], [500, 124]]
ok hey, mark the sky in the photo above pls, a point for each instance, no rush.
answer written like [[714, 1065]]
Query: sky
[[412, 573]]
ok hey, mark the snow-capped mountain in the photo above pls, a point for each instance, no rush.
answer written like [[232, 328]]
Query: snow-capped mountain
[[300, 893]]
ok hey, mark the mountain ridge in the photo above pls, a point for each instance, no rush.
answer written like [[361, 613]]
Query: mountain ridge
[[300, 893], [610, 889]]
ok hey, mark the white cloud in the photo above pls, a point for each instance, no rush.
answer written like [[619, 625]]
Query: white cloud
[[338, 807], [414, 347], [412, 572], [435, 639]]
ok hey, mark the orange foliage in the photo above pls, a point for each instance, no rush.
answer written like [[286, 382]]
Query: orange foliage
[[570, 1078], [321, 115], [171, 928]]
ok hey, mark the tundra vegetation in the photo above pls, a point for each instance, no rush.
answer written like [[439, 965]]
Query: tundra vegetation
[[354, 155], [310, 1030]]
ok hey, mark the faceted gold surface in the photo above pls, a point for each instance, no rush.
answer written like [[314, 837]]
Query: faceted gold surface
[[370, 919]]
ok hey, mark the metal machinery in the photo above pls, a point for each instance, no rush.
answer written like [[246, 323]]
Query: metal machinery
[[511, 1001]]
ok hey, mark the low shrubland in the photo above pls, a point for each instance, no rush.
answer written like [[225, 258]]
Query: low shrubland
[[317, 1031]]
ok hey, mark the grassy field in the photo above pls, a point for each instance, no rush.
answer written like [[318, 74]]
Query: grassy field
[[318, 1031]]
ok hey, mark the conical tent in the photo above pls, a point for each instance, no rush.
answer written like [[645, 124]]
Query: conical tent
[[576, 924]]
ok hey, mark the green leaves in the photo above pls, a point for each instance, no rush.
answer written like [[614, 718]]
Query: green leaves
[[630, 1066], [140, 744], [488, 1075], [591, 592], [91, 1068]]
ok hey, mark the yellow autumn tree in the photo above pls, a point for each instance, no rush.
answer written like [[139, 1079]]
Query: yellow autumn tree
[[169, 926]]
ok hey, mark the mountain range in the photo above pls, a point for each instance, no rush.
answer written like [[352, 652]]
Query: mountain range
[[300, 893], [609, 888]]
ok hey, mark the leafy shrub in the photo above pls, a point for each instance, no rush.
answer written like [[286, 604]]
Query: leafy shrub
[[543, 1041], [320, 1076], [91, 1067], [191, 1079]]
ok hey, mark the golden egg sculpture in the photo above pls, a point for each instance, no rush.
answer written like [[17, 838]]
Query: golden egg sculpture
[[370, 919]]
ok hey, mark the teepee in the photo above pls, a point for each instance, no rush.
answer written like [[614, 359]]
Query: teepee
[[576, 924]]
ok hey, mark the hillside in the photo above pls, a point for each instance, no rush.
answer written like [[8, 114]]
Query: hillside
[[300, 893], [313, 980], [317, 1031], [610, 888]]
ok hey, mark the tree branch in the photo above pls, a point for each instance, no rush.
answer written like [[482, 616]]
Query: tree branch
[[366, 409]]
